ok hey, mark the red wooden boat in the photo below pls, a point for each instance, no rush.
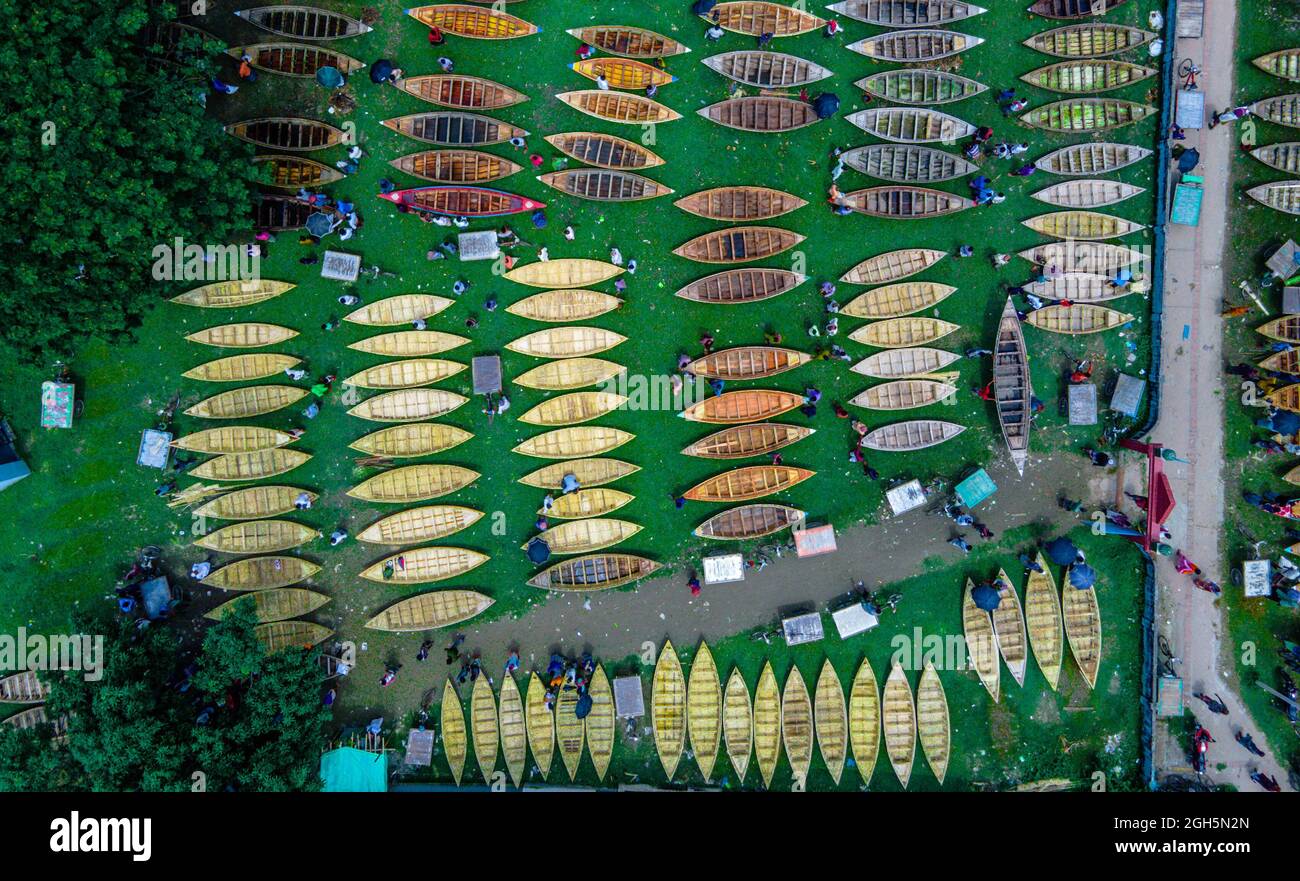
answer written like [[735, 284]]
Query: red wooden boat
[[462, 201]]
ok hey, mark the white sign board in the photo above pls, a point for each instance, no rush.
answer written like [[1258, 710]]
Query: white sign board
[[480, 245], [340, 266], [906, 497], [852, 620], [1256, 576], [724, 568]]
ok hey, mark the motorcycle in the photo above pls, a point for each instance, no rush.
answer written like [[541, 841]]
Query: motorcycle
[[1201, 740]]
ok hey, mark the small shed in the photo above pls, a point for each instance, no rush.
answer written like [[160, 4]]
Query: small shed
[[1291, 300], [1127, 397], [340, 266], [723, 568], [629, 699], [481, 245], [1083, 403], [803, 628], [905, 497], [419, 747]]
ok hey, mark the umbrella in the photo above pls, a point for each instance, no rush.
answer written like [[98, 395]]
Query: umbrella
[[1082, 576], [320, 224], [381, 70], [539, 551], [826, 104], [583, 707], [986, 596], [329, 77], [1061, 551]]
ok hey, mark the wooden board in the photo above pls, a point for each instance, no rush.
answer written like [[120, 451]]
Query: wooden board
[[738, 724], [623, 73], [484, 728], [408, 405], [619, 106], [1043, 622], [740, 204], [567, 272], [747, 362], [233, 439], [767, 723], [797, 726], [1012, 389], [413, 483], [303, 22], [1099, 258], [569, 373], [429, 611], [981, 643], [739, 244], [475, 22], [1082, 620], [753, 18], [893, 266], [594, 572], [628, 42], [604, 185], [570, 304], [704, 710], [409, 343], [540, 725], [911, 125], [274, 605], [907, 13], [932, 723], [603, 151], [920, 86], [1088, 193], [238, 368], [573, 408], [668, 708], [761, 113], [915, 45], [906, 437], [589, 472], [424, 565], [411, 440], [1089, 225], [245, 402], [1009, 628], [286, 133], [1281, 195], [903, 394], [404, 374], [766, 70], [749, 521], [295, 59], [514, 732], [1092, 159], [864, 721], [743, 441], [280, 635], [456, 166], [414, 525], [1092, 40], [570, 732], [400, 310], [601, 723], [233, 294], [566, 342], [1082, 318], [589, 502], [577, 441], [736, 286], [454, 128], [1087, 76], [831, 715], [252, 503], [1077, 115], [898, 719], [455, 743], [901, 202], [907, 163], [897, 300], [242, 335], [294, 172], [905, 363], [748, 405], [901, 333], [748, 482], [257, 537], [584, 536], [461, 92]]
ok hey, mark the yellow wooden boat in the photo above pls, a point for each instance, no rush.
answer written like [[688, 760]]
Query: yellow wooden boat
[[601, 724], [277, 636], [261, 573], [474, 22], [399, 310], [898, 300], [738, 724], [903, 394], [900, 333], [274, 605], [253, 400], [668, 708], [594, 572], [409, 343], [569, 373], [1043, 621], [483, 727], [899, 721], [1282, 362], [570, 732], [591, 502], [233, 439], [414, 525], [408, 373], [864, 721], [240, 368], [253, 503], [257, 537], [22, 688], [1009, 628], [242, 335], [408, 405], [749, 482], [1285, 398], [1081, 318], [767, 723], [585, 536], [747, 362], [704, 710], [566, 304], [1285, 329], [424, 565], [567, 272], [905, 363], [589, 472], [831, 715], [414, 483], [455, 743], [1086, 225], [541, 725], [623, 73], [573, 408], [893, 266], [742, 441], [981, 643], [1082, 628], [932, 723], [574, 442], [258, 465], [566, 342], [514, 734], [411, 440], [747, 405], [618, 106], [429, 611], [797, 726], [233, 294]]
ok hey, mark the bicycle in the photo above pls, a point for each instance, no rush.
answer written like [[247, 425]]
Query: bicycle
[[1188, 72], [765, 634]]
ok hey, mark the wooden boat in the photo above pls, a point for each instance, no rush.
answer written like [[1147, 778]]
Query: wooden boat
[[455, 743], [900, 333], [932, 723], [905, 363], [567, 272], [797, 725], [1285, 329], [410, 440], [428, 611], [461, 92], [569, 304], [743, 441], [253, 503], [907, 13], [603, 151], [1284, 63], [911, 125], [456, 166], [409, 343], [831, 715], [628, 42], [573, 408], [901, 202], [408, 405], [566, 342], [766, 70], [704, 710], [242, 335], [738, 244], [462, 201], [233, 294], [569, 373], [594, 572], [1078, 319], [864, 721], [761, 113], [747, 362], [540, 725], [1089, 40], [286, 133], [604, 185], [750, 285], [1088, 193], [1012, 390], [414, 525], [574, 442], [424, 565], [585, 536], [22, 688], [920, 85], [904, 394], [623, 73], [233, 439], [898, 718], [454, 128], [1009, 629], [740, 204], [1087, 76], [413, 483], [754, 18], [1091, 159], [277, 636], [277, 212], [294, 172], [737, 724], [601, 723], [749, 405], [749, 482], [475, 22], [619, 106], [514, 731], [257, 465], [981, 642], [1082, 628], [587, 502], [767, 723], [915, 434], [274, 605], [295, 59], [898, 300], [1283, 156], [1281, 195], [1043, 621], [1282, 362], [1089, 225], [483, 727], [409, 373], [1087, 115], [668, 708], [34, 718], [261, 573], [1099, 258], [570, 732], [1067, 9], [303, 22], [749, 521], [238, 368], [1285, 398], [253, 400], [1081, 287], [893, 266], [919, 45], [590, 472]]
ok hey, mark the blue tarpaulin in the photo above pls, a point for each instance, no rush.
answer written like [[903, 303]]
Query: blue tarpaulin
[[354, 770]]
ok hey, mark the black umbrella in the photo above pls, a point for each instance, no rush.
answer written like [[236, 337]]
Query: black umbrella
[[381, 70], [539, 551], [826, 104], [1189, 160], [986, 596], [583, 707], [1061, 551]]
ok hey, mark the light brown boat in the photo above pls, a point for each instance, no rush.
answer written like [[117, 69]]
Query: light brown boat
[[460, 91], [585, 536], [569, 304], [864, 721], [1282, 195], [294, 172], [906, 437], [747, 362], [566, 342], [767, 723], [739, 244], [604, 151], [240, 368], [409, 343], [410, 440], [454, 128], [233, 439], [570, 732], [901, 202], [1009, 628], [455, 166], [573, 408], [414, 525], [1079, 115], [408, 405], [514, 732], [797, 726], [619, 106], [604, 184], [455, 742], [981, 642], [594, 572], [903, 394], [286, 133], [569, 373], [766, 114], [908, 13], [1092, 158], [1091, 40], [737, 724], [1082, 620], [704, 710], [257, 537], [242, 335], [540, 725], [254, 400], [831, 715], [668, 708], [257, 465], [753, 18], [277, 636], [574, 442], [592, 501], [22, 688], [628, 42], [1087, 193], [1043, 622], [399, 310], [893, 266], [623, 73], [743, 441], [933, 727], [274, 605], [766, 70], [899, 722], [1083, 287], [1013, 391], [1285, 329], [748, 285], [898, 300], [566, 272], [475, 22], [1285, 398], [413, 483], [905, 363], [424, 565], [748, 405], [1087, 76], [911, 125], [589, 473], [749, 482], [261, 573], [483, 727], [1089, 225], [1081, 318], [907, 163], [253, 503], [749, 521], [1091, 257], [902, 333], [233, 294], [917, 45], [601, 723], [740, 204], [408, 373]]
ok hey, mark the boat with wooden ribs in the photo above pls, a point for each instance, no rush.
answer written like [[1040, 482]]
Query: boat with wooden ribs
[[737, 723], [484, 728], [619, 106], [749, 521], [1282, 362], [1282, 109], [570, 731], [1285, 329], [1092, 257], [797, 725], [1043, 621], [746, 483], [233, 439], [454, 128], [253, 503], [540, 725], [704, 710], [1092, 159], [303, 22], [1082, 287], [573, 408], [981, 642], [22, 688], [738, 244], [294, 172], [601, 724], [456, 166], [286, 133], [747, 405], [905, 363], [413, 483], [864, 720], [455, 740], [274, 605], [628, 42], [740, 204], [911, 125], [903, 394], [1284, 63], [920, 45], [933, 726], [461, 92], [734, 286], [668, 708], [424, 565], [907, 13], [898, 718], [594, 572], [575, 442], [744, 441], [233, 294], [902, 333], [1082, 318], [1012, 391], [766, 70], [569, 373], [410, 440], [425, 523], [1089, 225], [566, 272], [261, 573], [277, 212], [591, 501], [1283, 156], [1082, 620], [590, 472], [754, 18], [409, 373], [1087, 76], [1283, 195], [604, 185], [513, 725], [257, 465], [280, 635], [1285, 398], [902, 202], [295, 59], [907, 163], [462, 201], [767, 723], [566, 304], [1088, 193], [897, 300], [920, 85], [832, 722], [1087, 115], [893, 266], [475, 22], [254, 400], [915, 434], [747, 362], [566, 342], [399, 310], [623, 73], [408, 405], [761, 113], [1089, 40], [603, 151], [1067, 9], [1009, 629], [585, 536]]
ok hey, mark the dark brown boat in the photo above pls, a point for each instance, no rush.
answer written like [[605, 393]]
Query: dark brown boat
[[462, 201], [274, 212], [736, 286], [749, 521], [303, 22], [455, 166], [295, 172], [628, 42], [907, 13], [286, 133], [740, 204], [760, 113], [738, 245], [1072, 9], [295, 59], [461, 92], [453, 128], [604, 185], [605, 151], [905, 203]]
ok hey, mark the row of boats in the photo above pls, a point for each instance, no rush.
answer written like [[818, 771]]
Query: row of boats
[[1283, 110]]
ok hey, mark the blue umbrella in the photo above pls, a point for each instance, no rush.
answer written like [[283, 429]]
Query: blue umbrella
[[329, 77], [1061, 551], [1082, 576], [539, 551], [381, 70], [986, 596], [320, 224], [826, 104], [583, 707]]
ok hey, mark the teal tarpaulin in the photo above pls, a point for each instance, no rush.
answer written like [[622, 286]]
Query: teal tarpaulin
[[354, 770], [976, 488]]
